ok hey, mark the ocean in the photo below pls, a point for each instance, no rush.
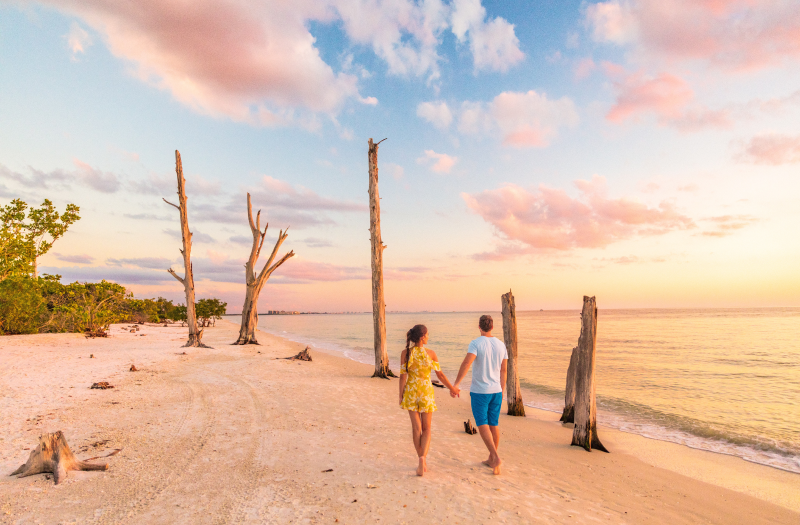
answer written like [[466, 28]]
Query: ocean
[[725, 380]]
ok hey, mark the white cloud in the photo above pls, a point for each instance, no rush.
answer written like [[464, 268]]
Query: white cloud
[[438, 162], [493, 43], [520, 119], [611, 22], [78, 39], [397, 172], [437, 113]]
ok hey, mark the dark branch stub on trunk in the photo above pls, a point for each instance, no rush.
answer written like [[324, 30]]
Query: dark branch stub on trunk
[[568, 416], [585, 432], [255, 282], [53, 455], [377, 247], [195, 335], [514, 398]]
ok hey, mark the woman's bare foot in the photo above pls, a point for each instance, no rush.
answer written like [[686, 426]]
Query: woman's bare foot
[[421, 468], [496, 466]]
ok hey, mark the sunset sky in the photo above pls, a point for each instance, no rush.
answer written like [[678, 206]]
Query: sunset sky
[[642, 151]]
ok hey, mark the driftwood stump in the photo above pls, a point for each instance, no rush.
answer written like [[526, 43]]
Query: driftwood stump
[[53, 455], [568, 416], [469, 428], [514, 396], [377, 247], [585, 432]]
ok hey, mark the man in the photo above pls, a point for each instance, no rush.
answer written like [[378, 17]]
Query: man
[[488, 383]]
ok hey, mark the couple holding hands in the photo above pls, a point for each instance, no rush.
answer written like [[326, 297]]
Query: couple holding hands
[[489, 357]]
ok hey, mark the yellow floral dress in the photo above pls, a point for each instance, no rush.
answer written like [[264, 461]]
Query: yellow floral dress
[[418, 395]]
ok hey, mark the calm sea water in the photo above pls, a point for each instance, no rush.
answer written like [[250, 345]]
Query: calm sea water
[[727, 381]]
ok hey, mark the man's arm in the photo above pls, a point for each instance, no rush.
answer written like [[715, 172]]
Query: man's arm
[[462, 372], [503, 374]]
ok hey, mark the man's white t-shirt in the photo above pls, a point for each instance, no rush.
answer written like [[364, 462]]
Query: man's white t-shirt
[[489, 355]]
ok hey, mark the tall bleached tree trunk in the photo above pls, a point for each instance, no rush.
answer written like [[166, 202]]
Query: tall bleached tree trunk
[[255, 282], [568, 416], [195, 334], [513, 393], [585, 432], [378, 304]]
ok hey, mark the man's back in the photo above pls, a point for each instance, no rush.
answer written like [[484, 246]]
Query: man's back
[[489, 355]]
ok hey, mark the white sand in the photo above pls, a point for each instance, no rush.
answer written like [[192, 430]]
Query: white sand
[[231, 435]]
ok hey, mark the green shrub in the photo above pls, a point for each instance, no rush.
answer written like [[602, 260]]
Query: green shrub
[[22, 307]]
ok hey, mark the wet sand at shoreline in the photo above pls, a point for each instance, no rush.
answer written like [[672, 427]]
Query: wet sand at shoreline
[[231, 435]]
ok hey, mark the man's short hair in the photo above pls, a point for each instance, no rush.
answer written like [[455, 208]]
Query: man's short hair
[[486, 323]]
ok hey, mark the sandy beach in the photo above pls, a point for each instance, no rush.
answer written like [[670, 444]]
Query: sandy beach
[[232, 435]]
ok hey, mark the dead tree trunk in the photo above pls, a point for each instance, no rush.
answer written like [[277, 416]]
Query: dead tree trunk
[[255, 282], [513, 396], [53, 455], [568, 416], [195, 335], [378, 304], [585, 432]]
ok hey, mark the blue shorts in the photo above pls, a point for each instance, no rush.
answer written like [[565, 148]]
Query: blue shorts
[[486, 408]]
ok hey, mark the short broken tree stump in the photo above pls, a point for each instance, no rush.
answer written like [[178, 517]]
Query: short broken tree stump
[[53, 455]]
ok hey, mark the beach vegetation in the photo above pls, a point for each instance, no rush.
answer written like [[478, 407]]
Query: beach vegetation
[[28, 233], [209, 310]]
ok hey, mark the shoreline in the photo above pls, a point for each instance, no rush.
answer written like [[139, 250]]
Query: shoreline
[[187, 457], [607, 418]]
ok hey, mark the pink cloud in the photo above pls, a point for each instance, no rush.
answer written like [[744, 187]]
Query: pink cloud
[[667, 96], [584, 68], [772, 149], [304, 271], [531, 119], [728, 224], [438, 162], [731, 34], [550, 219]]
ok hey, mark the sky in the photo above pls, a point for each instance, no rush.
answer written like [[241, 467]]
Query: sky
[[642, 151]]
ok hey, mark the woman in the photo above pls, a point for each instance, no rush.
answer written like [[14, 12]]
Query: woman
[[416, 390]]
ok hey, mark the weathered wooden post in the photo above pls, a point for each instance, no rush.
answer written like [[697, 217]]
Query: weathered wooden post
[[195, 335], [513, 396], [378, 303], [585, 432], [568, 416]]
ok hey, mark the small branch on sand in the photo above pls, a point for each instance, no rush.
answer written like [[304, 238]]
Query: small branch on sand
[[301, 356], [102, 385], [53, 455]]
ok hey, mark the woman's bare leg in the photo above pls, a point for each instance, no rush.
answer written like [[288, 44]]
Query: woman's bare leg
[[426, 418], [416, 430]]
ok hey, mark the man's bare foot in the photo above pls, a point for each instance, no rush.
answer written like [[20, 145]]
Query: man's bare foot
[[421, 468], [486, 462], [425, 464]]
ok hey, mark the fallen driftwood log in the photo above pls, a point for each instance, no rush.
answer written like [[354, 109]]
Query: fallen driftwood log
[[437, 384], [53, 455], [97, 333], [134, 369], [301, 356], [102, 385], [469, 428]]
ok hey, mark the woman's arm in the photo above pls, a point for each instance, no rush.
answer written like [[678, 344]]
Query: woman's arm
[[443, 378], [403, 377]]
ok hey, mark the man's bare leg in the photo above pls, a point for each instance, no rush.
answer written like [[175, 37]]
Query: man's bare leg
[[488, 439], [496, 438]]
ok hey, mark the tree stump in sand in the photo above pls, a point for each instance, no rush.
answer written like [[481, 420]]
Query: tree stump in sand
[[53, 455], [568, 416], [469, 428], [514, 397], [585, 432]]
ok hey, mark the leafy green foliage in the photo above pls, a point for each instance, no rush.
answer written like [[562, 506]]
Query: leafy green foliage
[[178, 313], [209, 310], [27, 236], [22, 307]]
